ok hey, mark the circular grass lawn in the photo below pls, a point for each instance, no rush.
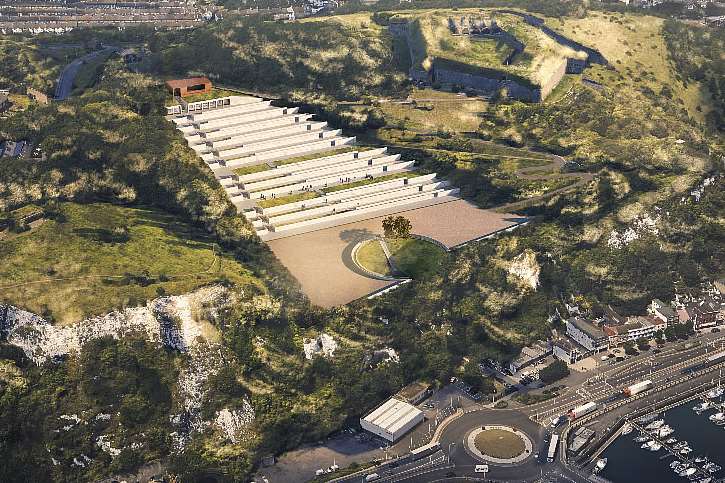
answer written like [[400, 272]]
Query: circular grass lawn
[[413, 257], [499, 443]]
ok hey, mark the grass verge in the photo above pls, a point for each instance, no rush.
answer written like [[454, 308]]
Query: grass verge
[[364, 182], [283, 200]]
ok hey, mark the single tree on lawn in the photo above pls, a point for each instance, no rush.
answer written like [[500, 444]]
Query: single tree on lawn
[[397, 227]]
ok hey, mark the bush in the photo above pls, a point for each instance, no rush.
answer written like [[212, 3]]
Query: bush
[[553, 372]]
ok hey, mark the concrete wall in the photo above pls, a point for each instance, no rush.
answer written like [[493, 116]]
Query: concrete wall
[[288, 152], [262, 145], [486, 84]]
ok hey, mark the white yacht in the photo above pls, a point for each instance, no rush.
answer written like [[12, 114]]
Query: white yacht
[[703, 406], [665, 431], [688, 472], [655, 447], [671, 441], [599, 466], [655, 424], [627, 428], [715, 393], [717, 417]]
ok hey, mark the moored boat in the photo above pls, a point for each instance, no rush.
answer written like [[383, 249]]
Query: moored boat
[[717, 417], [655, 425]]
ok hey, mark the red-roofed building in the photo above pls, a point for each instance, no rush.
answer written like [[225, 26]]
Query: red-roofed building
[[188, 87]]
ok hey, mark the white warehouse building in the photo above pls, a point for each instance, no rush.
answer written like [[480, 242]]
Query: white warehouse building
[[392, 419]]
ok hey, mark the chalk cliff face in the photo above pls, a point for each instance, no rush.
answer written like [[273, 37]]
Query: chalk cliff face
[[526, 268], [166, 321]]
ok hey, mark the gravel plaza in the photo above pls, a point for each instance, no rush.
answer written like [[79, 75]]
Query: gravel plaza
[[321, 260]]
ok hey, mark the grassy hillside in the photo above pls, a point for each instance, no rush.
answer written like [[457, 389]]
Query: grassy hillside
[[89, 259], [344, 57], [29, 64], [636, 48]]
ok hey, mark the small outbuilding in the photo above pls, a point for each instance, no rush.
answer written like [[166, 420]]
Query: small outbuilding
[[189, 87], [392, 419]]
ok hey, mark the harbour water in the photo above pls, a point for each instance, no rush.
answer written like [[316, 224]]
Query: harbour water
[[628, 462]]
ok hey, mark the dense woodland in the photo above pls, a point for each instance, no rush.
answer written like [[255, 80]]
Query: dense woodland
[[111, 144]]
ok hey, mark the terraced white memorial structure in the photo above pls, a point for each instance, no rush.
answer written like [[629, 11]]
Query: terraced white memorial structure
[[312, 194]]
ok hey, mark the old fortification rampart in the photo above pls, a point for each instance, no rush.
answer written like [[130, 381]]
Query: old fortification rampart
[[491, 80]]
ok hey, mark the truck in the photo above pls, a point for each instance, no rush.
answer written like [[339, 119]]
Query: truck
[[553, 444], [638, 388], [580, 411]]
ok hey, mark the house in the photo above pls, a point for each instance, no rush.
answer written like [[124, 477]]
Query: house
[[530, 355], [189, 87], [586, 334], [663, 312], [706, 312], [13, 149], [636, 327], [568, 351]]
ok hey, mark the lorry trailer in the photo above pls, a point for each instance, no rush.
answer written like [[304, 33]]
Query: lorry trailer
[[638, 388], [580, 411]]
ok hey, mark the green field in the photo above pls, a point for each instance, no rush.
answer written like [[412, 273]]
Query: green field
[[499, 443], [412, 257], [90, 259]]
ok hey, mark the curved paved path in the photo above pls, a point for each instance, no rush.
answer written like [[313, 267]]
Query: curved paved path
[[64, 87]]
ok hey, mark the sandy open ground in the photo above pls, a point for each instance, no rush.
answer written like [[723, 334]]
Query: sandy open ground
[[322, 263]]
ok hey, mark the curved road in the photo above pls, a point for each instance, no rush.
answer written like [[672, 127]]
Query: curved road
[[64, 87]]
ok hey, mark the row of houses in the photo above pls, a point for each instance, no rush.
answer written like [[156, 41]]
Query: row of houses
[[586, 336]]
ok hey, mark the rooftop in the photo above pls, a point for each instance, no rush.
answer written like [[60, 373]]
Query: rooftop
[[568, 345], [393, 415], [664, 309], [412, 390], [191, 81], [633, 323], [587, 327]]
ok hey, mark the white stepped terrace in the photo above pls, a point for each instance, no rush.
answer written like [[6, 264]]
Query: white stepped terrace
[[285, 152], [252, 132]]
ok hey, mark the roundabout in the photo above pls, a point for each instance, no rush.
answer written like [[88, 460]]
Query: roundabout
[[504, 439], [499, 444]]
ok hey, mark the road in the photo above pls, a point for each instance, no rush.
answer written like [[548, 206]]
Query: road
[[64, 87], [609, 381], [453, 462]]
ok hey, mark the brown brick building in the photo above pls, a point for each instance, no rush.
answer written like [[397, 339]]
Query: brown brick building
[[189, 87]]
